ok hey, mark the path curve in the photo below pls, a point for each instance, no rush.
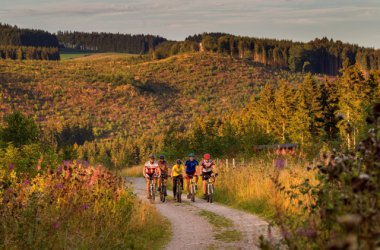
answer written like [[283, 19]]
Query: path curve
[[192, 231]]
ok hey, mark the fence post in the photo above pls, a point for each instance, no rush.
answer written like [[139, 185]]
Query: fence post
[[226, 163], [233, 162]]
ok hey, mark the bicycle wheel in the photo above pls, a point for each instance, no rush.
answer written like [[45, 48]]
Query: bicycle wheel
[[192, 192], [153, 193], [179, 193], [210, 193], [163, 192]]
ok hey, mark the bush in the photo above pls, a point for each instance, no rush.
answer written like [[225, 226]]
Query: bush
[[20, 130]]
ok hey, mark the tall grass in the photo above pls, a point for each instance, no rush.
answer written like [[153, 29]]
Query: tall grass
[[75, 207], [251, 186]]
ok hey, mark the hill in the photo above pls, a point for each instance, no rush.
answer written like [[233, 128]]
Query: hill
[[132, 93], [118, 108]]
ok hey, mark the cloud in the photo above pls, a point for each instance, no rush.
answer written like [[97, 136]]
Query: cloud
[[74, 9], [298, 19]]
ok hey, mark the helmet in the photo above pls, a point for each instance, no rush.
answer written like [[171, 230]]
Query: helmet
[[162, 157], [207, 156], [152, 157], [191, 155], [179, 161]]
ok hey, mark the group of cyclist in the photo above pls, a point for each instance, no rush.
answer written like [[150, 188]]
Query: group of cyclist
[[158, 171]]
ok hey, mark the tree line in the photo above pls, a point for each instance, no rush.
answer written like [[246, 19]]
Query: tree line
[[13, 35], [323, 56], [29, 53], [109, 42]]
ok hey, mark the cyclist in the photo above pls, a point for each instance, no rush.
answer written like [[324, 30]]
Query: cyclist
[[191, 171], [208, 169], [177, 172], [151, 169], [164, 169]]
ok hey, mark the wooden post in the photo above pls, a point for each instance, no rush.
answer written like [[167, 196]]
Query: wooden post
[[226, 163], [233, 162]]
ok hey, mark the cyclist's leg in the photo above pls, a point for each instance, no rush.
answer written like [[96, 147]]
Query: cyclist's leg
[[175, 186], [187, 184], [181, 180], [159, 183], [204, 184], [147, 186]]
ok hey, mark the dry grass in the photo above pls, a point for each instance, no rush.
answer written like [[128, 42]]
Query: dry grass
[[135, 171], [251, 187]]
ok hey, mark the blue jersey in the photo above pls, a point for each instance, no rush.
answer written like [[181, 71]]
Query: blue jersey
[[191, 166]]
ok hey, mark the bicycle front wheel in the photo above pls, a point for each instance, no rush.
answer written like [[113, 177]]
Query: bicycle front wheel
[[193, 193]]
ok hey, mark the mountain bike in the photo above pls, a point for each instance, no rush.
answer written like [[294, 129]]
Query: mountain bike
[[210, 189], [192, 188], [178, 193], [163, 188]]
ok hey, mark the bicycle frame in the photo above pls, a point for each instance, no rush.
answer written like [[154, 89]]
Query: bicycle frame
[[210, 189], [179, 189], [162, 188]]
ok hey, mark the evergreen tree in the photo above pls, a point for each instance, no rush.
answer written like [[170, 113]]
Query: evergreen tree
[[353, 104]]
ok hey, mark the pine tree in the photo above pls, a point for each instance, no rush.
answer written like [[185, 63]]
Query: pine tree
[[353, 104], [262, 110], [329, 102], [282, 110]]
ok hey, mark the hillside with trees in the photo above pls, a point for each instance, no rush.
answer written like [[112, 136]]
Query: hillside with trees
[[109, 42], [322, 56], [118, 110]]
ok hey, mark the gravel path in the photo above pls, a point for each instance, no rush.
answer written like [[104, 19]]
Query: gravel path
[[192, 231]]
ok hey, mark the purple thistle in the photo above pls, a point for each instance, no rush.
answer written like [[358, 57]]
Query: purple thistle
[[59, 185], [287, 234], [85, 206], [27, 182]]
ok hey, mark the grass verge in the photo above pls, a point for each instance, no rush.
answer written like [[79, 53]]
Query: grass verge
[[223, 227]]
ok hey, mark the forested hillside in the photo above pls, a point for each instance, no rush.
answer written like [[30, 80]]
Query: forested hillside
[[109, 42], [119, 109], [321, 56]]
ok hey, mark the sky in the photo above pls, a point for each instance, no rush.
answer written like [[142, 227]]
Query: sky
[[354, 21]]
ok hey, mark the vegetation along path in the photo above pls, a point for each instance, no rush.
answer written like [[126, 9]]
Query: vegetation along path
[[202, 225]]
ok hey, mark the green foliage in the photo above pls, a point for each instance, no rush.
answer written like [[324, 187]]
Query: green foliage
[[19, 130]]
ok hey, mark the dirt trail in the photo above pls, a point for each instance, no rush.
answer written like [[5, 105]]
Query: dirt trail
[[193, 231]]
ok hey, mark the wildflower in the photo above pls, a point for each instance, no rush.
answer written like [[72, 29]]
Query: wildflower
[[27, 182], [11, 166], [287, 234], [59, 185], [85, 206], [56, 225]]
